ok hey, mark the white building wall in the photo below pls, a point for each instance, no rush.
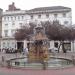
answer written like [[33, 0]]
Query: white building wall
[[51, 44], [73, 46], [25, 44], [8, 44], [26, 19], [52, 18]]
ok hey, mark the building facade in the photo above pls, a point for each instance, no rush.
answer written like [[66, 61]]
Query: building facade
[[14, 18]]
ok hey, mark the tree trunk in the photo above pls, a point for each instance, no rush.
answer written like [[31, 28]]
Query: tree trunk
[[64, 50], [59, 46], [62, 44]]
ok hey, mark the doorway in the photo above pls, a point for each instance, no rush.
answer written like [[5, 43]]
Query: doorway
[[20, 46]]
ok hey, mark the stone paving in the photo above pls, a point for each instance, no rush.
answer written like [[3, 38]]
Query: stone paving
[[69, 71], [7, 71]]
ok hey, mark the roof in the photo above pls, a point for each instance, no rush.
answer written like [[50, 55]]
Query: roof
[[49, 8], [10, 13]]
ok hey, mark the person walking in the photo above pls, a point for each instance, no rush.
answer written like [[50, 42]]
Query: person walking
[[25, 51]]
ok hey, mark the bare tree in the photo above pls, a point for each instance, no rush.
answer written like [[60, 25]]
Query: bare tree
[[24, 32], [54, 30]]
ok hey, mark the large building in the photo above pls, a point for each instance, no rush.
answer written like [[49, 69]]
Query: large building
[[14, 18]]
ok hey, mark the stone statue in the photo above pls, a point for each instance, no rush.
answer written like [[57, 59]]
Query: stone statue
[[38, 50]]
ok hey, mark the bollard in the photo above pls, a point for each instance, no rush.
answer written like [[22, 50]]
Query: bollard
[[45, 64], [3, 60], [8, 64], [24, 63], [73, 60]]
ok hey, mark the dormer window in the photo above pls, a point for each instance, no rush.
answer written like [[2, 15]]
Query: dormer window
[[31, 16], [11, 18], [47, 15]]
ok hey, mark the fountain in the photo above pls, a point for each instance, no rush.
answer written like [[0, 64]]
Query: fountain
[[39, 56], [38, 49]]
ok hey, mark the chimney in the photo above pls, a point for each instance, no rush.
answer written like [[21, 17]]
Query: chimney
[[12, 7]]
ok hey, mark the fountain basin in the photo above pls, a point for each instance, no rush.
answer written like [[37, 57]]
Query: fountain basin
[[53, 63]]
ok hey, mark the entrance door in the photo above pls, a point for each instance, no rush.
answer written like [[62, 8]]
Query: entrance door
[[20, 46]]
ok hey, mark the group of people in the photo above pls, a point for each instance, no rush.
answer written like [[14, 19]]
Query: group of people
[[12, 50], [8, 50]]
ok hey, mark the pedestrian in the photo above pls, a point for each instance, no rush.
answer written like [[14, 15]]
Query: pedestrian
[[3, 60], [26, 51]]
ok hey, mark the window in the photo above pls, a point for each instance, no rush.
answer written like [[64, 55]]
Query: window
[[39, 16], [8, 44], [22, 17], [20, 24], [18, 17], [56, 44], [31, 16], [8, 18], [4, 18], [47, 15], [6, 33], [15, 17], [6, 24], [3, 44], [13, 23], [55, 15], [13, 44], [64, 14], [12, 32], [65, 22], [11, 18]]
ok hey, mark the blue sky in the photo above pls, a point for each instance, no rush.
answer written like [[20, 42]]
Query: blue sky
[[29, 4]]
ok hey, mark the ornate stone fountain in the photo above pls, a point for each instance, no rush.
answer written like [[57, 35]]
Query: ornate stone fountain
[[38, 49]]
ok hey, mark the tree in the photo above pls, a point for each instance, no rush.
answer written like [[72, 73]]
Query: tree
[[54, 31], [24, 32]]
